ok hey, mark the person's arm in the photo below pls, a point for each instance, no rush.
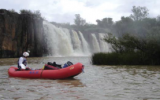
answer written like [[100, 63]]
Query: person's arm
[[21, 63]]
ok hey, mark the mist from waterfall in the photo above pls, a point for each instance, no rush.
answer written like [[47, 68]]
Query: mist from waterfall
[[63, 42]]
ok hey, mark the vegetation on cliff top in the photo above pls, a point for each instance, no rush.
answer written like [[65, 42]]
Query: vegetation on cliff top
[[136, 41]]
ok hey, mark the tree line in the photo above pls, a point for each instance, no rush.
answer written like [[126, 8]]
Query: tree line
[[135, 40]]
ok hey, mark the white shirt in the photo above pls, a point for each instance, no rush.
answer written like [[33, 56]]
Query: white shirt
[[22, 62]]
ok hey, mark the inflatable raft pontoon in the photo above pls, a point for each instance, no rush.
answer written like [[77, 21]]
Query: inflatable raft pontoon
[[63, 73]]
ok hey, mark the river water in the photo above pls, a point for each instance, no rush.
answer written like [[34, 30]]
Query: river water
[[96, 83]]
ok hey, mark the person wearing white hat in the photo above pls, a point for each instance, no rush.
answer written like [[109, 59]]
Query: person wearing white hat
[[22, 62]]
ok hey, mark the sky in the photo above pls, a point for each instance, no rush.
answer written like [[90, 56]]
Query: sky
[[63, 11]]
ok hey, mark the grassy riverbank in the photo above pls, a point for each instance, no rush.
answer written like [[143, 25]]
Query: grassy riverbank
[[132, 58]]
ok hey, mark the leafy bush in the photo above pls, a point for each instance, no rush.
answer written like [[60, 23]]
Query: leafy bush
[[130, 50]]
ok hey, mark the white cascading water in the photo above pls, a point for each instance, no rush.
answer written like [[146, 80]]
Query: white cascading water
[[95, 43], [58, 40], [104, 46], [85, 46], [62, 42], [77, 45]]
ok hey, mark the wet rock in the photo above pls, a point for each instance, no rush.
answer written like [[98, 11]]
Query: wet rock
[[20, 32]]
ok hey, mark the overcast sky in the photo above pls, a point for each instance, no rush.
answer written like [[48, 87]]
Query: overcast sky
[[63, 11]]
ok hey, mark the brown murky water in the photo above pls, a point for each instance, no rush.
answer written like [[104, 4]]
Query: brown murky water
[[96, 83]]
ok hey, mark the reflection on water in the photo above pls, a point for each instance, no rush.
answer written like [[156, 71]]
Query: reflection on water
[[97, 82], [71, 82]]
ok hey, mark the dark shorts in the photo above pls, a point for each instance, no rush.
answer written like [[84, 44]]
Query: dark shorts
[[19, 67]]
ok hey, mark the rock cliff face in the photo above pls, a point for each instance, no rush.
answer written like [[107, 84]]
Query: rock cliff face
[[20, 32]]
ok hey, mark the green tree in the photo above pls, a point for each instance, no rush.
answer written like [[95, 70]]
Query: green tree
[[79, 21], [23, 11], [125, 25], [37, 13], [139, 13], [105, 23], [13, 11]]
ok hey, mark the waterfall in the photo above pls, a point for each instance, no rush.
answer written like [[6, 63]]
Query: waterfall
[[64, 42], [95, 43], [104, 46], [58, 40], [77, 46], [85, 45]]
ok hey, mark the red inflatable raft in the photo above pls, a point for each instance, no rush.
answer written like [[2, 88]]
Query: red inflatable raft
[[63, 73]]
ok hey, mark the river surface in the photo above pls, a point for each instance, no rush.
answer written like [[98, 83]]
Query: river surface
[[96, 83]]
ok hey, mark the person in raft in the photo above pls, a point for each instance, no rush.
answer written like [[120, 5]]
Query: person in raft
[[22, 62]]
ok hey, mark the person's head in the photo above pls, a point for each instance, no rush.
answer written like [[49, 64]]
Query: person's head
[[25, 54]]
